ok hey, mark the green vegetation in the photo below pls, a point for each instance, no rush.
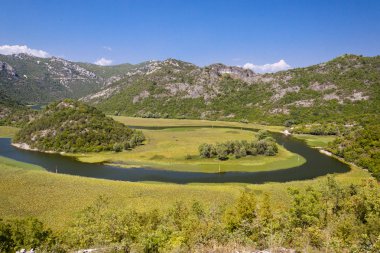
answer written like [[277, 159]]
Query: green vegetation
[[177, 149], [25, 233], [33, 80], [264, 145], [157, 123], [8, 131], [17, 164], [336, 91], [13, 113], [317, 141], [320, 129], [361, 146], [72, 126], [329, 217]]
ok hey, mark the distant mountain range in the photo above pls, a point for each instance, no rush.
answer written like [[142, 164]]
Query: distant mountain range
[[342, 89]]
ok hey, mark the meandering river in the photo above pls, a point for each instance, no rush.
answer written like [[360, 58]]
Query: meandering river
[[317, 164]]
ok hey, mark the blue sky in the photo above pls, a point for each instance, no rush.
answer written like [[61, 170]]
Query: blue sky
[[201, 31]]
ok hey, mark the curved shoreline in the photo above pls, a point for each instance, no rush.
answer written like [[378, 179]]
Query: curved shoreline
[[25, 146]]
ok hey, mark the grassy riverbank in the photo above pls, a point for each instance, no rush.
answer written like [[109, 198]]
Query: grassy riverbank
[[8, 131], [27, 190], [320, 141], [149, 122], [56, 198], [177, 149]]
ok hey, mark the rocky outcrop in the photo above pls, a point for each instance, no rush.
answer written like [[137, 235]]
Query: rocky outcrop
[[7, 69]]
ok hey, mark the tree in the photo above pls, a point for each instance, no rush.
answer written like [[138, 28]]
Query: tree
[[221, 151], [262, 134]]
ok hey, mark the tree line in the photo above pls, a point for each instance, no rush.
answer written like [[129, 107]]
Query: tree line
[[263, 145]]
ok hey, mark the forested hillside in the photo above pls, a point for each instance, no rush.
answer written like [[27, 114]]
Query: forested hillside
[[13, 113], [72, 126]]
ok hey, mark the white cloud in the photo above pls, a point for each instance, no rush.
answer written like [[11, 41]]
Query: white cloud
[[103, 62], [107, 48], [266, 68], [17, 49]]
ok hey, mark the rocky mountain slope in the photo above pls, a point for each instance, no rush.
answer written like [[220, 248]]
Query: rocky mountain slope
[[342, 89], [40, 80]]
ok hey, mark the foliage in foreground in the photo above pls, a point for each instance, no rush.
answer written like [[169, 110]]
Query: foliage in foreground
[[72, 126], [327, 218]]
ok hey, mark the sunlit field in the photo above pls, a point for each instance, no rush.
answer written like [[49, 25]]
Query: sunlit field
[[177, 149]]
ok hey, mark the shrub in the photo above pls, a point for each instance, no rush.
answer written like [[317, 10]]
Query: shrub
[[117, 147]]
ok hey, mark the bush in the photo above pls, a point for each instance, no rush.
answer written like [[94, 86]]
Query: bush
[[206, 150], [262, 134], [117, 147]]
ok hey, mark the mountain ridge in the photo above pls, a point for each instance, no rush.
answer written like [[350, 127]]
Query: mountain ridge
[[178, 89]]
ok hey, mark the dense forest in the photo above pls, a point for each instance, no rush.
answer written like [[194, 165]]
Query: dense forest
[[71, 126], [329, 217]]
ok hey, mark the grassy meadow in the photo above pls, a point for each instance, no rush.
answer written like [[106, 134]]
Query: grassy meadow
[[320, 141], [56, 198], [150, 122], [28, 190], [177, 149], [8, 131]]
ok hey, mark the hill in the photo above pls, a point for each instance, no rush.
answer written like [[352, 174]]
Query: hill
[[32, 80], [338, 90], [13, 113], [71, 126]]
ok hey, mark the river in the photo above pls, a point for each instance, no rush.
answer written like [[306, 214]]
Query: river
[[317, 164]]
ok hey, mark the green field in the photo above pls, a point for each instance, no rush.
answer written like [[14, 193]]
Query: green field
[[320, 141], [177, 149], [57, 198], [27, 190], [149, 122], [8, 131]]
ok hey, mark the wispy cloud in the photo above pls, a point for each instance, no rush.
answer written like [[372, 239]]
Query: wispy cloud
[[22, 49], [268, 68], [107, 48], [103, 62]]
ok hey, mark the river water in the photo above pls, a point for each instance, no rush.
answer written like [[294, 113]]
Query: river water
[[317, 164]]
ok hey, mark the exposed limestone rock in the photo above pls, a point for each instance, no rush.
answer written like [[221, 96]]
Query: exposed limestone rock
[[357, 96], [316, 86], [332, 96], [144, 94], [303, 103], [282, 92], [279, 110], [8, 69]]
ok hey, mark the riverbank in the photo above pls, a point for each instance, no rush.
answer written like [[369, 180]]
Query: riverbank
[[176, 149], [56, 198], [150, 122]]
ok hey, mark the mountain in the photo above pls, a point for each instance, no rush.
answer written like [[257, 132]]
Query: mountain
[[40, 80], [342, 89], [339, 90], [72, 126]]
